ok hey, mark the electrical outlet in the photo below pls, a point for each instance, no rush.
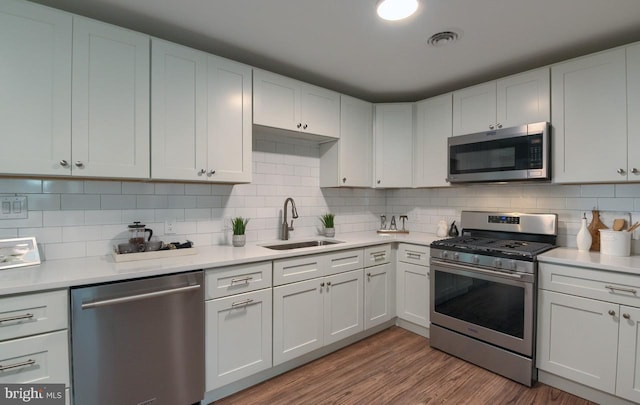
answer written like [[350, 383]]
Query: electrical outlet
[[170, 227], [13, 207]]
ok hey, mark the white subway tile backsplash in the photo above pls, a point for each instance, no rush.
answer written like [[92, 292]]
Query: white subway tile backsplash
[[43, 235], [208, 201], [104, 217], [181, 201], [102, 187], [117, 201], [616, 204], [43, 202], [137, 188], [10, 186], [54, 251], [63, 186], [9, 233], [197, 189], [152, 201], [626, 190], [162, 215], [62, 218], [169, 188], [598, 190], [80, 202], [195, 214], [141, 215], [81, 233]]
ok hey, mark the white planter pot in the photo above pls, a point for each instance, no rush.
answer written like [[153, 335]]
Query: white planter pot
[[239, 240], [329, 232]]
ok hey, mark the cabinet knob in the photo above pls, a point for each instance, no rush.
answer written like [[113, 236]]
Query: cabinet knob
[[202, 171], [612, 312], [621, 171], [626, 316], [499, 125], [491, 126], [304, 126], [328, 283], [64, 163], [635, 171], [321, 284], [344, 179], [368, 276], [378, 181], [299, 124], [211, 172], [79, 163]]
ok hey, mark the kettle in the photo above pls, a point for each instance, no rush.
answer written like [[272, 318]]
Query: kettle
[[137, 233], [441, 231]]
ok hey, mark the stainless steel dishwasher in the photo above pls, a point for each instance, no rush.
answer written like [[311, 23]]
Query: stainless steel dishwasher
[[139, 342]]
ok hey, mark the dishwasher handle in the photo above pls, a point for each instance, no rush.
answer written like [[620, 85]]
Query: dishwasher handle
[[138, 297]]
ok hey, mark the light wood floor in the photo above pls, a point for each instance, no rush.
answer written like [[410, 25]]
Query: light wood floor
[[395, 366]]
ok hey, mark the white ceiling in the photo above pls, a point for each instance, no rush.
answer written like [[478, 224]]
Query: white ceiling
[[342, 45]]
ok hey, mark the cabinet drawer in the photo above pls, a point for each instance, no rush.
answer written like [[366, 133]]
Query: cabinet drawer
[[237, 279], [414, 254], [24, 315], [345, 260], [602, 285], [36, 359], [297, 269], [376, 255]]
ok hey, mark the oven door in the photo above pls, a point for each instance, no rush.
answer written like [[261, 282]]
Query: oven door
[[488, 305]]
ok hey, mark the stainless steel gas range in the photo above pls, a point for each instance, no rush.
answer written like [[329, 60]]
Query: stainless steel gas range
[[483, 290]]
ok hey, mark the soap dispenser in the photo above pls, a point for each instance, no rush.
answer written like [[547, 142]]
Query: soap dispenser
[[583, 238]]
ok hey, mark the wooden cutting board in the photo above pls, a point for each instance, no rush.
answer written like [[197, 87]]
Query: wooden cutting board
[[593, 228]]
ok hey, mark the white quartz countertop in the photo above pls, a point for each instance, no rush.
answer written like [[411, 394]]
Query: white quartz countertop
[[596, 260], [55, 274]]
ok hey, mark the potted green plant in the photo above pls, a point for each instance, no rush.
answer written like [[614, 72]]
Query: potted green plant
[[239, 226], [327, 223]]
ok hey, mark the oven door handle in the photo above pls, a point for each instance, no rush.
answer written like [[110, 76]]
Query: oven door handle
[[476, 269]]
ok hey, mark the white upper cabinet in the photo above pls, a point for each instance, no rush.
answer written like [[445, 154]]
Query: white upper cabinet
[[35, 78], [281, 102], [633, 109], [393, 140], [511, 101], [347, 161], [110, 108], [589, 99], [200, 116], [433, 127]]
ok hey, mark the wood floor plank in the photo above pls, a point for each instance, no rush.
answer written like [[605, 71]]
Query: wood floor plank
[[395, 366]]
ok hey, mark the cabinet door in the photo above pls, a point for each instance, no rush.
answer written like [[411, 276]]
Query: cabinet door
[[412, 293], [589, 104], [523, 98], [343, 301], [110, 101], [379, 295], [178, 112], [578, 339], [319, 111], [238, 337], [297, 319], [394, 145], [356, 141], [474, 109], [229, 121], [628, 384], [35, 78], [433, 127], [633, 106], [276, 101]]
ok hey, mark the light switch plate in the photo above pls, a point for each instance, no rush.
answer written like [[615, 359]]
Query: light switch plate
[[14, 207]]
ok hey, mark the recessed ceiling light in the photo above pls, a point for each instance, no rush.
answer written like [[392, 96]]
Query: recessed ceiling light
[[394, 10], [443, 38]]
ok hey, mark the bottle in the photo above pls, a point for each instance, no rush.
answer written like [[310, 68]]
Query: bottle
[[583, 238]]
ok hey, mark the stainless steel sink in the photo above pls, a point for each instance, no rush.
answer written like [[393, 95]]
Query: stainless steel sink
[[305, 244]]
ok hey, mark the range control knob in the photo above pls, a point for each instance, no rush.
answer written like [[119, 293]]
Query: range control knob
[[512, 264], [475, 259], [445, 254], [497, 263], [456, 256]]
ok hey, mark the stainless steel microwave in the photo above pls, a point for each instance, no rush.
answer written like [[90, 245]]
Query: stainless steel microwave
[[509, 154]]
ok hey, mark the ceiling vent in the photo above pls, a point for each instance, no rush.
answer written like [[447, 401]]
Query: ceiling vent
[[443, 38]]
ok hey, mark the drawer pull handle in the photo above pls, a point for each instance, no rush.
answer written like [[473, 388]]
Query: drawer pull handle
[[241, 303], [17, 318], [29, 362], [614, 288], [379, 256], [414, 255], [626, 316], [244, 280]]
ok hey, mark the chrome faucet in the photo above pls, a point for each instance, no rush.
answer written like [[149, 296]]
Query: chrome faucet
[[294, 213]]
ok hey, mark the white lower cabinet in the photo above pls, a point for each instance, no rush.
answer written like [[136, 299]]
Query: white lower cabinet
[[589, 328], [238, 336], [412, 284], [310, 314], [379, 295]]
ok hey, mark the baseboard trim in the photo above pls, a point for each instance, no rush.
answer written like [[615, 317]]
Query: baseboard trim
[[580, 390], [412, 327]]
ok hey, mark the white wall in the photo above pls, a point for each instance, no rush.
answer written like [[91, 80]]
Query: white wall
[[76, 218]]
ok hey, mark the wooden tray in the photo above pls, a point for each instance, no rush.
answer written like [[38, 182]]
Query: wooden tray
[[158, 254]]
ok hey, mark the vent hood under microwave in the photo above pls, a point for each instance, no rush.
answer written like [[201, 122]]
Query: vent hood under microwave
[[519, 153]]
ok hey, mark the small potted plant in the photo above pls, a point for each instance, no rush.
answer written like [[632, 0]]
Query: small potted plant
[[327, 223], [239, 225]]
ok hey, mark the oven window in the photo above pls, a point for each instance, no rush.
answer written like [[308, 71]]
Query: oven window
[[490, 304]]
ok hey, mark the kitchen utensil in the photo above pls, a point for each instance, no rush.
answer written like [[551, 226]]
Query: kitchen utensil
[[618, 224], [453, 230], [124, 248], [442, 229], [153, 245], [137, 233], [595, 225], [615, 243], [634, 227]]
